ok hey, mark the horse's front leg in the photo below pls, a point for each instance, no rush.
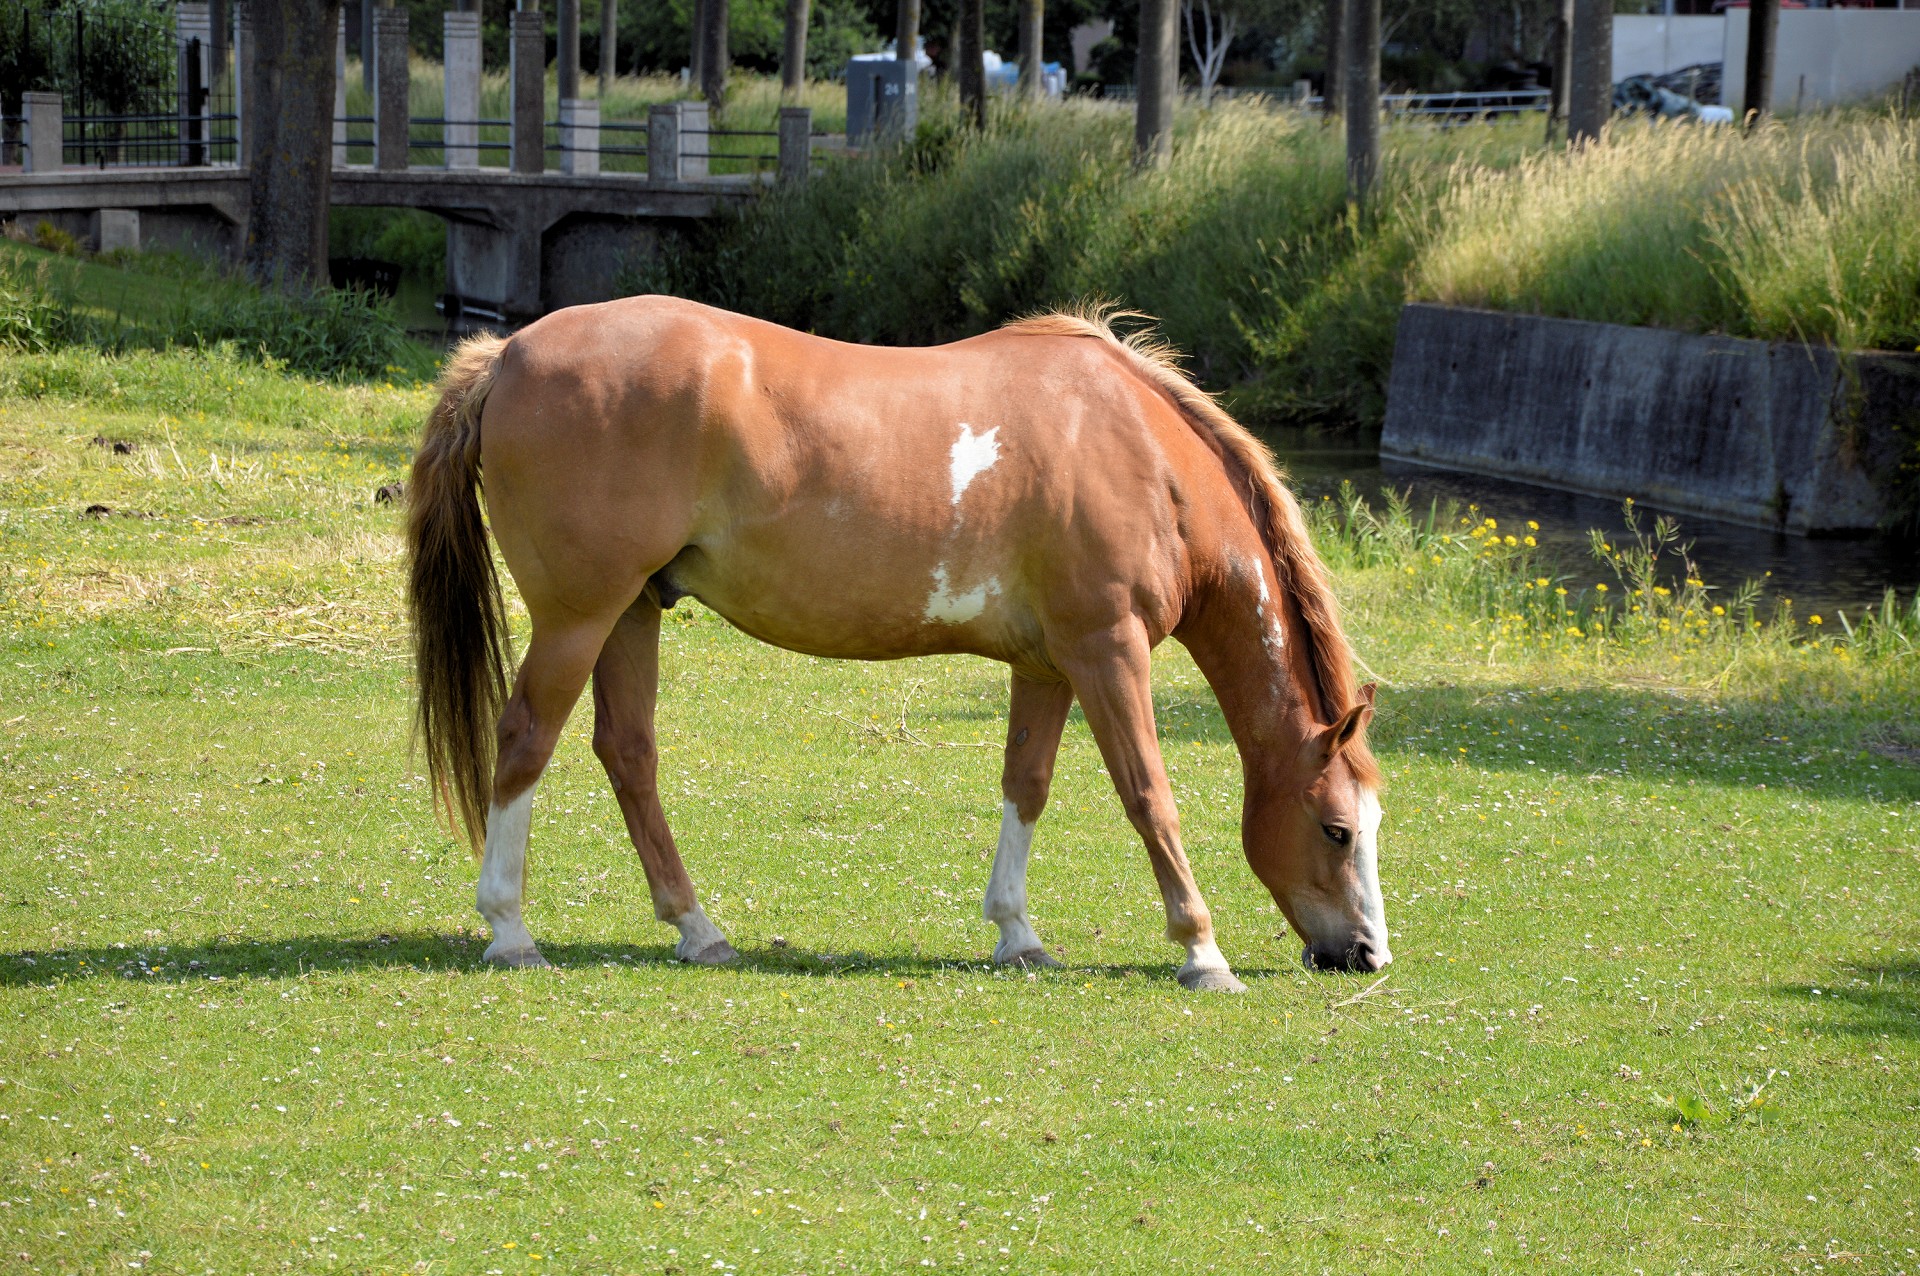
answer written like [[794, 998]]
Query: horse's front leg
[[1035, 719], [1112, 674]]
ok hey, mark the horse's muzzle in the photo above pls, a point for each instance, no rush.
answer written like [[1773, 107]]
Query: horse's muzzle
[[1360, 956]]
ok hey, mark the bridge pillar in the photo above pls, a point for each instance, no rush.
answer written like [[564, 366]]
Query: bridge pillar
[[340, 92], [502, 266], [44, 132], [663, 142], [390, 114], [579, 135], [528, 41], [463, 65], [796, 143]]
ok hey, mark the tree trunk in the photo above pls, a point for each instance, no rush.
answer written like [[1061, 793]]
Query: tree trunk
[[906, 31], [1560, 47], [715, 61], [1158, 81], [609, 46], [1363, 98], [697, 44], [290, 132], [973, 69], [1032, 22], [1590, 87], [1763, 33], [793, 51], [1334, 87], [567, 54]]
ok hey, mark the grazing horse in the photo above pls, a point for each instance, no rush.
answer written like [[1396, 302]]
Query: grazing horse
[[1047, 495]]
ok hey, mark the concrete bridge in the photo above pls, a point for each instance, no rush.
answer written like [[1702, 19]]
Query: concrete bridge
[[521, 240]]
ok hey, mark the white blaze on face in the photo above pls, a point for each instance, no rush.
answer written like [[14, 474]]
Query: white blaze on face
[[947, 607], [972, 455], [1366, 849]]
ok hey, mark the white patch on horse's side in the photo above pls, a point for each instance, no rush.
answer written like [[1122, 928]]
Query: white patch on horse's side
[[502, 869], [957, 609], [972, 455], [697, 933], [1366, 851], [1006, 902]]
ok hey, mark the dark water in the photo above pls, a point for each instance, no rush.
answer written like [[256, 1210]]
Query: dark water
[[1820, 574]]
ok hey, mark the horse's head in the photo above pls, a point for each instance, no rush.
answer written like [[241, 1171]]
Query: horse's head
[[1311, 836]]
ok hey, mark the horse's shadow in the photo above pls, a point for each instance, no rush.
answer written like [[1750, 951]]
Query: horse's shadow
[[1869, 999], [219, 960]]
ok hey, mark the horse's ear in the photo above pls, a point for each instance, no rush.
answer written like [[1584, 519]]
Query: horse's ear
[[1323, 747]]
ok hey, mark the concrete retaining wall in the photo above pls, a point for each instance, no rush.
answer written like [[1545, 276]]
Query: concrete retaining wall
[[1768, 434], [1825, 56]]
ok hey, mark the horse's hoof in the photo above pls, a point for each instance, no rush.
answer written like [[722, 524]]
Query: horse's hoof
[[528, 958], [718, 953], [1210, 981], [1030, 959]]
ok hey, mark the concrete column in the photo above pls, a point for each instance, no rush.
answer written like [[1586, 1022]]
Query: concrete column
[[43, 132], [528, 76], [340, 93], [495, 267], [463, 61], [796, 143], [695, 119], [663, 142], [579, 135], [390, 112]]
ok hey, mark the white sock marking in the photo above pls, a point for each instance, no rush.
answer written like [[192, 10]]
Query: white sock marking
[[697, 933], [972, 455], [1366, 859], [1006, 901], [502, 869]]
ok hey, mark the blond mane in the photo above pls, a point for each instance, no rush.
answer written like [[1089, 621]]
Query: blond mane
[[1269, 502]]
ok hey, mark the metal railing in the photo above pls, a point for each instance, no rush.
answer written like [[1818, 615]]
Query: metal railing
[[755, 157], [149, 141]]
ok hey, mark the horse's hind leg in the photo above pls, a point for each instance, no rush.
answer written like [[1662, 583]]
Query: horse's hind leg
[[1035, 718], [626, 682], [550, 680]]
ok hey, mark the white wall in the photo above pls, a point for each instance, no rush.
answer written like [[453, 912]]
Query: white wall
[[1844, 55], [1646, 44]]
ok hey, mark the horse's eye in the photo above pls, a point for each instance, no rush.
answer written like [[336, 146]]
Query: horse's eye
[[1337, 834]]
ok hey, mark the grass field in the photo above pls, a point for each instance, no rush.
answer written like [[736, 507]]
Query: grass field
[[1653, 895]]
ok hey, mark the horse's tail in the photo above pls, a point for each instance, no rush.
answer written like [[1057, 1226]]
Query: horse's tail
[[453, 593]]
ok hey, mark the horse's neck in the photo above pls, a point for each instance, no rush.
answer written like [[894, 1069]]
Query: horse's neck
[[1247, 641]]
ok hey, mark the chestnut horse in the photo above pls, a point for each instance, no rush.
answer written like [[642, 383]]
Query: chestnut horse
[[1048, 495]]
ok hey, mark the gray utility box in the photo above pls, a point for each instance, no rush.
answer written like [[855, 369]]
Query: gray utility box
[[883, 99]]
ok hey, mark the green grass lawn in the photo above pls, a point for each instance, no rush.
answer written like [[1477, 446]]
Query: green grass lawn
[[244, 1025]]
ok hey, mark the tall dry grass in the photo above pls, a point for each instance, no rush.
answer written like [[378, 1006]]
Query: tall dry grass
[[1804, 231]]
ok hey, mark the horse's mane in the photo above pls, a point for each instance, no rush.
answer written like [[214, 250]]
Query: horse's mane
[[1269, 502]]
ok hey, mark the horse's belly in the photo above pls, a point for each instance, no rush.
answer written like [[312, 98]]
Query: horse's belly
[[834, 596]]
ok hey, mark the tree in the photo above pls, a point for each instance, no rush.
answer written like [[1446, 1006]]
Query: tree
[[1333, 86], [715, 61], [1158, 81], [1561, 44], [906, 31], [1590, 92], [1363, 98], [1763, 31], [972, 70], [1209, 35], [609, 44], [1033, 17], [793, 51], [289, 133]]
